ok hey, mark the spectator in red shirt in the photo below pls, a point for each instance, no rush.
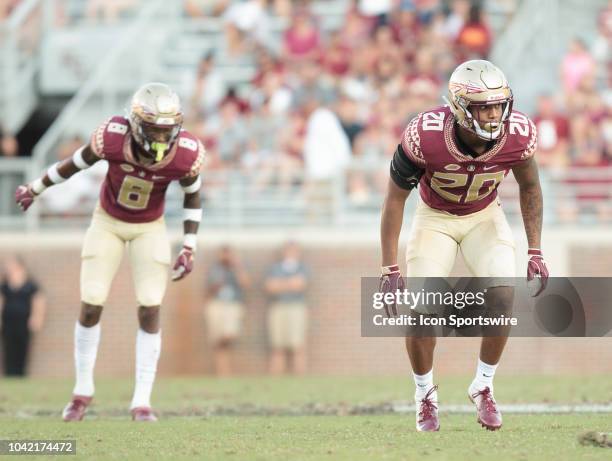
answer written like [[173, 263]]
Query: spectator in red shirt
[[553, 133], [474, 39], [336, 59], [406, 30], [302, 39]]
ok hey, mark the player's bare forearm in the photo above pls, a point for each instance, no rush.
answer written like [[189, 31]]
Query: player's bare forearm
[[68, 168], [57, 173], [192, 209], [391, 222], [532, 203], [191, 202]]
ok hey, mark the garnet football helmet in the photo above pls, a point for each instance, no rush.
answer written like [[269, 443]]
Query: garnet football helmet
[[474, 83], [155, 118]]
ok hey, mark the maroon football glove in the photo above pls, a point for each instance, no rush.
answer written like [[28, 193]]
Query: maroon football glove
[[183, 265], [24, 197], [390, 281], [536, 271]]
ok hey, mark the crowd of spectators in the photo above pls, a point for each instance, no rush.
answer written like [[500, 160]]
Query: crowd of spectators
[[575, 125], [388, 61]]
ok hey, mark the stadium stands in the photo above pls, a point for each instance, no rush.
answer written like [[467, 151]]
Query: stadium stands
[[247, 74]]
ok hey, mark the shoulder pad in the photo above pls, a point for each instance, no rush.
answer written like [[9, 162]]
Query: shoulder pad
[[424, 135], [411, 142], [522, 136], [109, 137], [191, 152]]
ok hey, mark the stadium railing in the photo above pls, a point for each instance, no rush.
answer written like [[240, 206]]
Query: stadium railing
[[239, 200]]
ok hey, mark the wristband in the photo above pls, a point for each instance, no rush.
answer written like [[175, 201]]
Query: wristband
[[77, 159], [193, 188], [192, 214], [54, 175], [386, 270], [190, 241], [38, 186], [534, 252]]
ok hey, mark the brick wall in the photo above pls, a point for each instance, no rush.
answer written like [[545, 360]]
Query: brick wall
[[336, 346]]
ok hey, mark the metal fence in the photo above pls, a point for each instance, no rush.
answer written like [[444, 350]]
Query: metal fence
[[246, 200]]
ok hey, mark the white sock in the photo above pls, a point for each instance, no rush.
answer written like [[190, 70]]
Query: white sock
[[423, 384], [148, 348], [484, 376], [86, 340]]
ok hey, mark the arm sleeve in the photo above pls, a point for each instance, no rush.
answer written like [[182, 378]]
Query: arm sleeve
[[404, 172]]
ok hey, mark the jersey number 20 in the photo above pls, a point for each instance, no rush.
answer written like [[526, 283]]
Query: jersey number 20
[[455, 180]]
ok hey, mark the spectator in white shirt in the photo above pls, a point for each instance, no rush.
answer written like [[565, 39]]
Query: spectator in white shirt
[[327, 150]]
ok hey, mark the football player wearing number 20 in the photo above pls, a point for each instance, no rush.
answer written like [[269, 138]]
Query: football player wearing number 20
[[145, 152], [459, 154]]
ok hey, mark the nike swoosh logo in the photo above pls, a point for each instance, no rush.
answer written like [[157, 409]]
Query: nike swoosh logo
[[486, 376], [157, 177], [489, 167]]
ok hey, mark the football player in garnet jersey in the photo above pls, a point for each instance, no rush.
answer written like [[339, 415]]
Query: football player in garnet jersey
[[459, 154], [145, 152]]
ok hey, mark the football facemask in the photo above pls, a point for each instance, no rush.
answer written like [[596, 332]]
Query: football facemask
[[478, 83], [158, 139]]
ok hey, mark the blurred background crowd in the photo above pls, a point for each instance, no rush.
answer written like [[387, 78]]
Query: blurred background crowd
[[323, 100]]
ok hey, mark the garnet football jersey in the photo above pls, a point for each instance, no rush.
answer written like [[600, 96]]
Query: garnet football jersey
[[453, 181], [132, 192]]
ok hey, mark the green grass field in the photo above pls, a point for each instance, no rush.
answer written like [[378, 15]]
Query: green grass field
[[306, 418]]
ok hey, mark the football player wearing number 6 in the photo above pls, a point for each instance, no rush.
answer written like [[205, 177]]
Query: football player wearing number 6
[[145, 152], [459, 154]]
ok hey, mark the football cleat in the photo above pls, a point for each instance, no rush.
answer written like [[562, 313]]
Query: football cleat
[[489, 416], [427, 412], [144, 414], [76, 408]]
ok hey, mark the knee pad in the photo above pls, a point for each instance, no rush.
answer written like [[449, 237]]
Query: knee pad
[[94, 293]]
